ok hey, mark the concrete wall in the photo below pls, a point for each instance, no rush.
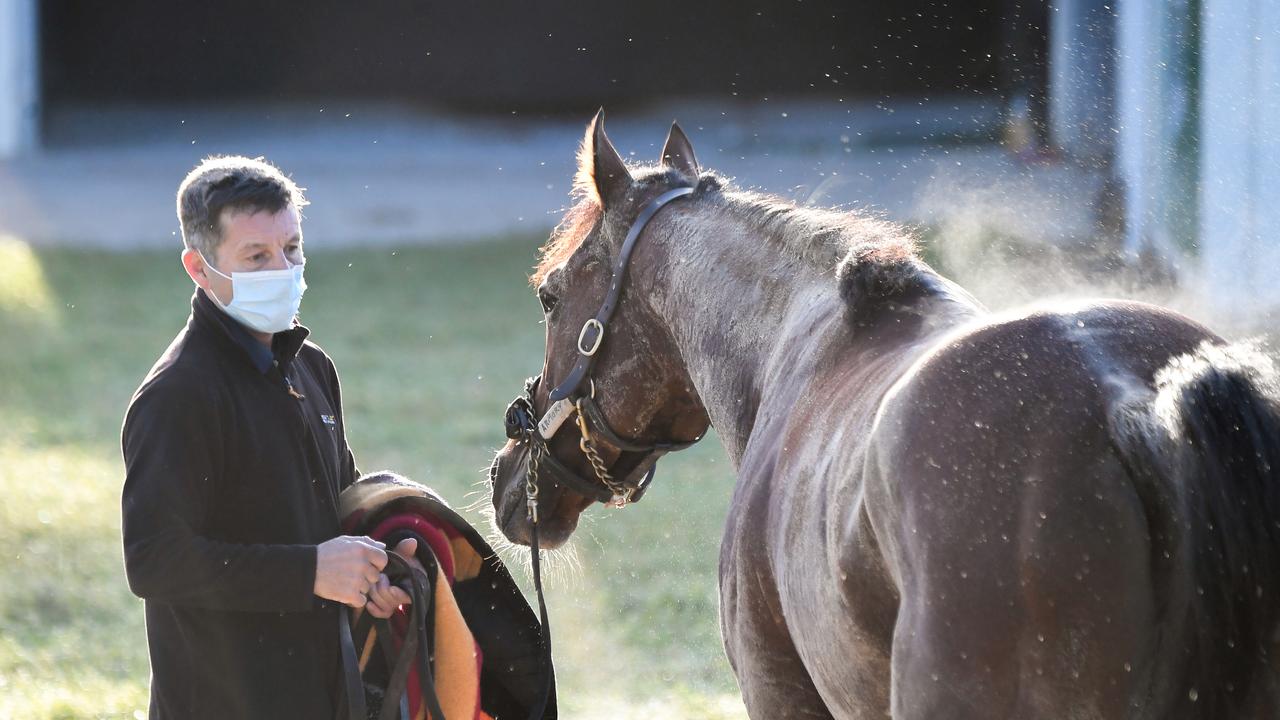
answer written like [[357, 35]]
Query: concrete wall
[[1240, 155], [19, 76]]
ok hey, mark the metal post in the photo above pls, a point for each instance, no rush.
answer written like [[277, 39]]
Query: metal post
[[1240, 155], [19, 76], [1082, 78]]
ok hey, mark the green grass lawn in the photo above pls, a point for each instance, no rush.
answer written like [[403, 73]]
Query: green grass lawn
[[432, 343]]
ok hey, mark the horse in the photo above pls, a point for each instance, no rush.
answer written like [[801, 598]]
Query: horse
[[940, 511]]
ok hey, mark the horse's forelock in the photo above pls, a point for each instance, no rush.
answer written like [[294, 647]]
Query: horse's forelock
[[566, 238], [587, 211]]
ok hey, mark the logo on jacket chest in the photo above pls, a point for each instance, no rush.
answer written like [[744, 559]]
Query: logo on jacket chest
[[329, 420]]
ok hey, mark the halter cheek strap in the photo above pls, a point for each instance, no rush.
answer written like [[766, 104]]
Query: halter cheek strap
[[592, 333]]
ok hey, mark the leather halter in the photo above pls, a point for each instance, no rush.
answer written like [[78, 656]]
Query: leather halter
[[522, 422], [596, 326]]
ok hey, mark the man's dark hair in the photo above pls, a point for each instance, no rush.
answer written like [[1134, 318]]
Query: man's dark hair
[[230, 182]]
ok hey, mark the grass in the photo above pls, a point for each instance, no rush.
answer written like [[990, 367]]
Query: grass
[[431, 343]]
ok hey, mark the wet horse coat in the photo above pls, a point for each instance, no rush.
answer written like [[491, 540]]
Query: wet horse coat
[[939, 512]]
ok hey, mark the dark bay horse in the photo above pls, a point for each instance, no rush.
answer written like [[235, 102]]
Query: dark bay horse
[[940, 512]]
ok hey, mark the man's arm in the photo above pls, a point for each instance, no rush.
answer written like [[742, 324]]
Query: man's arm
[[171, 442]]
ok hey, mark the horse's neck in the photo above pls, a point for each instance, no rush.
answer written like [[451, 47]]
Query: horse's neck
[[740, 319], [753, 327]]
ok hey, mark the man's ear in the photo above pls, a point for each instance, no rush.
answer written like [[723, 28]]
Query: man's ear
[[601, 172], [194, 265], [677, 153]]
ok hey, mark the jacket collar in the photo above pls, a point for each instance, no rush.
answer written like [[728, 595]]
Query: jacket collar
[[285, 345]]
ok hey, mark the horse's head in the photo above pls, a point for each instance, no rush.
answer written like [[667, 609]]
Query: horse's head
[[611, 372]]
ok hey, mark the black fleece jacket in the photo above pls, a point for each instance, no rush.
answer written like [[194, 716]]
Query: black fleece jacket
[[233, 463]]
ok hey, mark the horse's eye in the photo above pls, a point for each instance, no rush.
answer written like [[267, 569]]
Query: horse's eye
[[547, 299]]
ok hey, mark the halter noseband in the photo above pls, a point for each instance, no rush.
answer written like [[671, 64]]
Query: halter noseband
[[567, 399]]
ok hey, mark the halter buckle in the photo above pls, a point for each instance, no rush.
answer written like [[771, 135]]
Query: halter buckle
[[620, 501], [599, 337]]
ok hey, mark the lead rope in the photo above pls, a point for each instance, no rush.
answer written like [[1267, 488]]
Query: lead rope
[[531, 493]]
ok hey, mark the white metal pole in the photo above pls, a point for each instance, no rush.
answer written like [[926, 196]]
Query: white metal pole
[[1240, 154], [1082, 41], [19, 76]]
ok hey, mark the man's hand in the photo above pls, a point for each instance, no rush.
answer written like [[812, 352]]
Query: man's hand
[[347, 568], [385, 598]]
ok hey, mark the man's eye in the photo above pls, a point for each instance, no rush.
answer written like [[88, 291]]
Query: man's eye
[[548, 301]]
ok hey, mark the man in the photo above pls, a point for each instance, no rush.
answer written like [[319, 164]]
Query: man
[[235, 451]]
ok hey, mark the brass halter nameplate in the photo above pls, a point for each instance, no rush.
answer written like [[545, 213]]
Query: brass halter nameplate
[[554, 418]]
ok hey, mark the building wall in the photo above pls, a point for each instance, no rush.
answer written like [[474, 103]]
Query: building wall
[[550, 55]]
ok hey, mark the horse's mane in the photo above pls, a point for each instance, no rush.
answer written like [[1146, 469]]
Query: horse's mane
[[873, 260]]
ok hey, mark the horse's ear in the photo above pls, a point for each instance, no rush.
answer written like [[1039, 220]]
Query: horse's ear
[[678, 152], [601, 172]]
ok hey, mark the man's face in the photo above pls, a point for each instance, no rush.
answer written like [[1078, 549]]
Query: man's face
[[250, 242]]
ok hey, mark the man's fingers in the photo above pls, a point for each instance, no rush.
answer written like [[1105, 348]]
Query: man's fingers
[[383, 601], [376, 557], [407, 548]]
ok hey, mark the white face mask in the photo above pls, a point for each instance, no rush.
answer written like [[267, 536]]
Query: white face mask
[[265, 300]]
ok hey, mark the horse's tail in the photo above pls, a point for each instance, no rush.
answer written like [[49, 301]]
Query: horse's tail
[[1209, 447]]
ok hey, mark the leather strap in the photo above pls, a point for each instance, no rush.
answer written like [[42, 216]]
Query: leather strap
[[561, 474], [353, 687], [540, 709], [600, 427], [583, 367], [415, 645], [521, 421]]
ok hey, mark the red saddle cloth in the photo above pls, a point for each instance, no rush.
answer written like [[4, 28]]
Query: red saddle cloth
[[458, 659], [489, 657]]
